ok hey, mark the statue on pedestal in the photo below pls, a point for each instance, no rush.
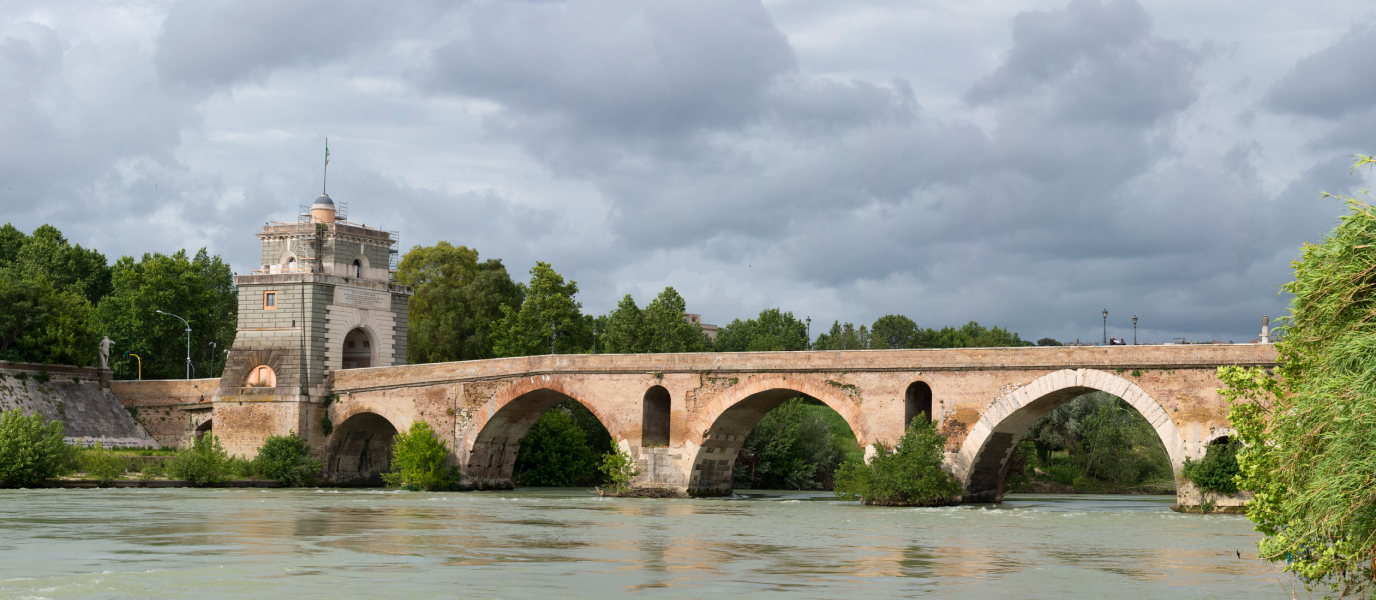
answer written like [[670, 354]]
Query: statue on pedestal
[[105, 353]]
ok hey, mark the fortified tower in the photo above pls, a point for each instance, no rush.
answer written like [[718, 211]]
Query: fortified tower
[[323, 300]]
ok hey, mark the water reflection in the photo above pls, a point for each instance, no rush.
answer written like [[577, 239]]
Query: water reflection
[[527, 543]]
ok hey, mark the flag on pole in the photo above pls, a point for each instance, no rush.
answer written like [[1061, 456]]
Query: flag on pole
[[327, 151]]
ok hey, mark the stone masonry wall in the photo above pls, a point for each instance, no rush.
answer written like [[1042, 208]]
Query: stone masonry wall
[[73, 396], [169, 409]]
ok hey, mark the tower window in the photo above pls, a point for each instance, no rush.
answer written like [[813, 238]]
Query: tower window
[[270, 300], [358, 269]]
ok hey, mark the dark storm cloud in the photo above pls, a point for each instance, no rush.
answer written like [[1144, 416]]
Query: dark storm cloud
[[1093, 62], [1332, 83], [220, 42]]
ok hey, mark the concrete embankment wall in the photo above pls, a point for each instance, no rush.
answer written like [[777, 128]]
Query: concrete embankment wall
[[71, 395], [170, 409]]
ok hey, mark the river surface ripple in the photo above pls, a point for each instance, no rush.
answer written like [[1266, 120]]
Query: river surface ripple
[[247, 543]]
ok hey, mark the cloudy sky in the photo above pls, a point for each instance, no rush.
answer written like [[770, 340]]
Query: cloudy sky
[[1025, 164]]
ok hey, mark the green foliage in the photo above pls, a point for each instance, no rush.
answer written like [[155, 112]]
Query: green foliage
[[661, 327], [548, 301], [97, 461], [619, 469], [418, 458], [1307, 450], [556, 452], [772, 330], [205, 462], [795, 446], [898, 331], [457, 302], [1048, 342], [1217, 471], [1096, 442], [43, 323], [47, 253], [288, 459], [31, 450], [200, 290], [908, 475]]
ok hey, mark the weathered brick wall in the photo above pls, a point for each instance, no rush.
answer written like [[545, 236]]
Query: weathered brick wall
[[169, 409]]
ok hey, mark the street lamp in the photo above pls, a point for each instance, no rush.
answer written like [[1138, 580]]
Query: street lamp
[[212, 359], [1134, 330], [188, 340], [809, 333], [1105, 326], [594, 340], [552, 333]]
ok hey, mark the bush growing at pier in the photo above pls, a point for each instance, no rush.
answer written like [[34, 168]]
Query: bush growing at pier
[[796, 446], [1217, 471], [31, 451], [908, 475], [555, 452], [205, 462], [620, 469], [288, 459], [418, 458]]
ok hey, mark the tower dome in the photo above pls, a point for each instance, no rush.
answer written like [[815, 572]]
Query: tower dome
[[323, 209]]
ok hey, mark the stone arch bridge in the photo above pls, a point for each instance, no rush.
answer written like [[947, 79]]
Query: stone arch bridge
[[684, 416]]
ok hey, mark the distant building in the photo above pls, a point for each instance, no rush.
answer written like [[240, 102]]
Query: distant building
[[710, 330]]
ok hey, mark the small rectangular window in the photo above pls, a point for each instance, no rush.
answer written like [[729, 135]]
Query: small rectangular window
[[269, 300]]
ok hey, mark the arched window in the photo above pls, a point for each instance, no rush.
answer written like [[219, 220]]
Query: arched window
[[655, 417], [291, 264], [261, 376], [357, 271], [917, 402]]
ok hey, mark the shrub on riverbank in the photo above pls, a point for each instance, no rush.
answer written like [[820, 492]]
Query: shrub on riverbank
[[418, 458], [102, 464], [205, 462], [288, 459], [908, 475], [31, 451]]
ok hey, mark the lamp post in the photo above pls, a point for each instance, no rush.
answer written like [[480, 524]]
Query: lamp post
[[553, 331], [1134, 330], [212, 359], [1105, 326], [188, 340], [845, 338], [809, 333], [594, 340]]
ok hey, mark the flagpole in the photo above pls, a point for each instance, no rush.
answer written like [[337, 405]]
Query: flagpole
[[325, 179]]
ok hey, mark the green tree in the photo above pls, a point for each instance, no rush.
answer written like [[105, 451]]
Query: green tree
[[908, 475], [1048, 342], [772, 330], [47, 290], [288, 459], [418, 458], [623, 331], [69, 267], [792, 447], [31, 451], [660, 327], [845, 337], [893, 331], [42, 323], [547, 313], [457, 302], [200, 290], [1307, 451], [555, 452]]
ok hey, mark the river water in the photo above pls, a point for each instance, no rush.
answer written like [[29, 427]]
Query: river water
[[255, 543]]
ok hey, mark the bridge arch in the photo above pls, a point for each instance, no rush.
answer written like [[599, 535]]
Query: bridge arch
[[359, 448], [492, 437], [983, 459], [716, 436]]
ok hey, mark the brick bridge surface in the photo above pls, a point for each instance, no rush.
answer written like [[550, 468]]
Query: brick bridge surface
[[684, 416]]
